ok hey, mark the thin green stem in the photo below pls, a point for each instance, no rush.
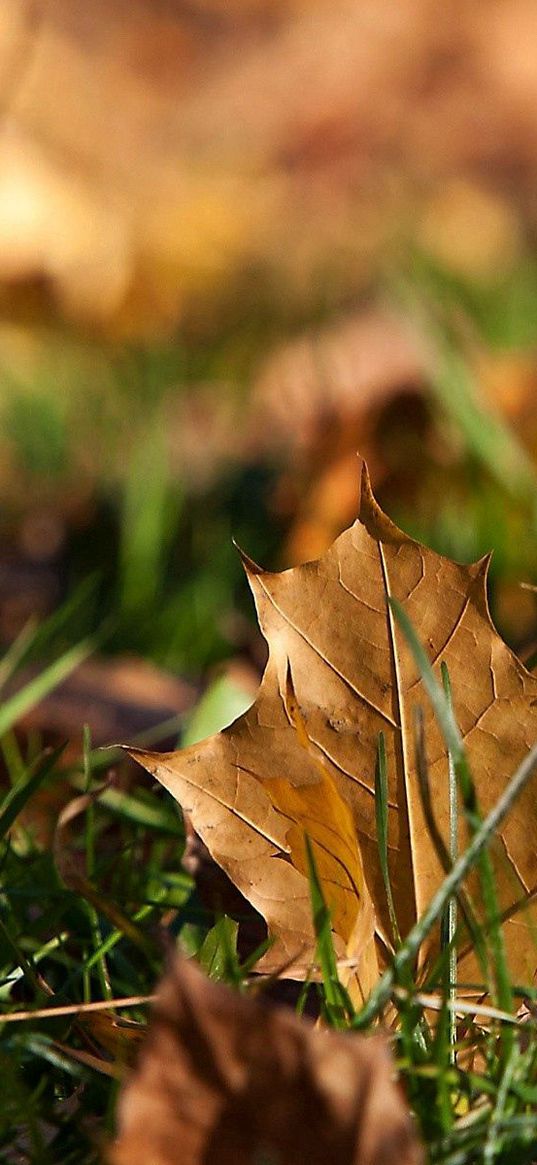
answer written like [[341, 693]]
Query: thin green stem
[[407, 953], [453, 854], [96, 933], [381, 815], [455, 744]]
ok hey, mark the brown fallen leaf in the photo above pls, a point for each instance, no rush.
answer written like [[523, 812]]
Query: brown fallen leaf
[[247, 788], [225, 1078]]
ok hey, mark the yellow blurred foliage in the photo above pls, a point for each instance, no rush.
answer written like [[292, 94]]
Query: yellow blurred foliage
[[155, 159]]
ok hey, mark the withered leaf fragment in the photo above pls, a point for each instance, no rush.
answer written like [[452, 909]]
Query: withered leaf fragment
[[250, 789], [227, 1079]]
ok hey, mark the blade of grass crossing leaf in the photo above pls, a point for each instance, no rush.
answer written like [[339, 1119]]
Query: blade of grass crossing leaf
[[465, 862], [442, 709], [381, 815], [452, 735], [451, 914], [467, 910], [338, 1005]]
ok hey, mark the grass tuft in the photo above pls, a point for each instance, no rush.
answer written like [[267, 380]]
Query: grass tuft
[[85, 926]]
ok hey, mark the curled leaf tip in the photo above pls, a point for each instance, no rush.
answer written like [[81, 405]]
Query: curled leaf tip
[[248, 563]]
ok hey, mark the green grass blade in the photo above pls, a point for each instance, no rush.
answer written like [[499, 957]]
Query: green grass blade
[[248, 964], [142, 808], [485, 432], [381, 815], [465, 862], [42, 953], [17, 651], [218, 952], [451, 914], [442, 1056], [455, 745], [149, 518], [338, 1005], [490, 1148], [441, 705], [89, 838], [13, 759], [17, 797], [21, 702], [445, 965], [117, 936], [21, 961], [474, 930]]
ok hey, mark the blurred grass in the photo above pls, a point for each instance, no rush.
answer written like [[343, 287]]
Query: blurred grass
[[90, 917], [94, 436]]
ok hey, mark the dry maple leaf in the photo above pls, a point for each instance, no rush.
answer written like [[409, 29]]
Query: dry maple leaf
[[228, 1079], [251, 789]]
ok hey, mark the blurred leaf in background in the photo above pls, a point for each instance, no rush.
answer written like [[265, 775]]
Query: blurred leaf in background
[[205, 256]]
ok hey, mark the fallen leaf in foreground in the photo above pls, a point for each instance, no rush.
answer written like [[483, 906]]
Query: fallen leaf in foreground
[[253, 788], [226, 1079]]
